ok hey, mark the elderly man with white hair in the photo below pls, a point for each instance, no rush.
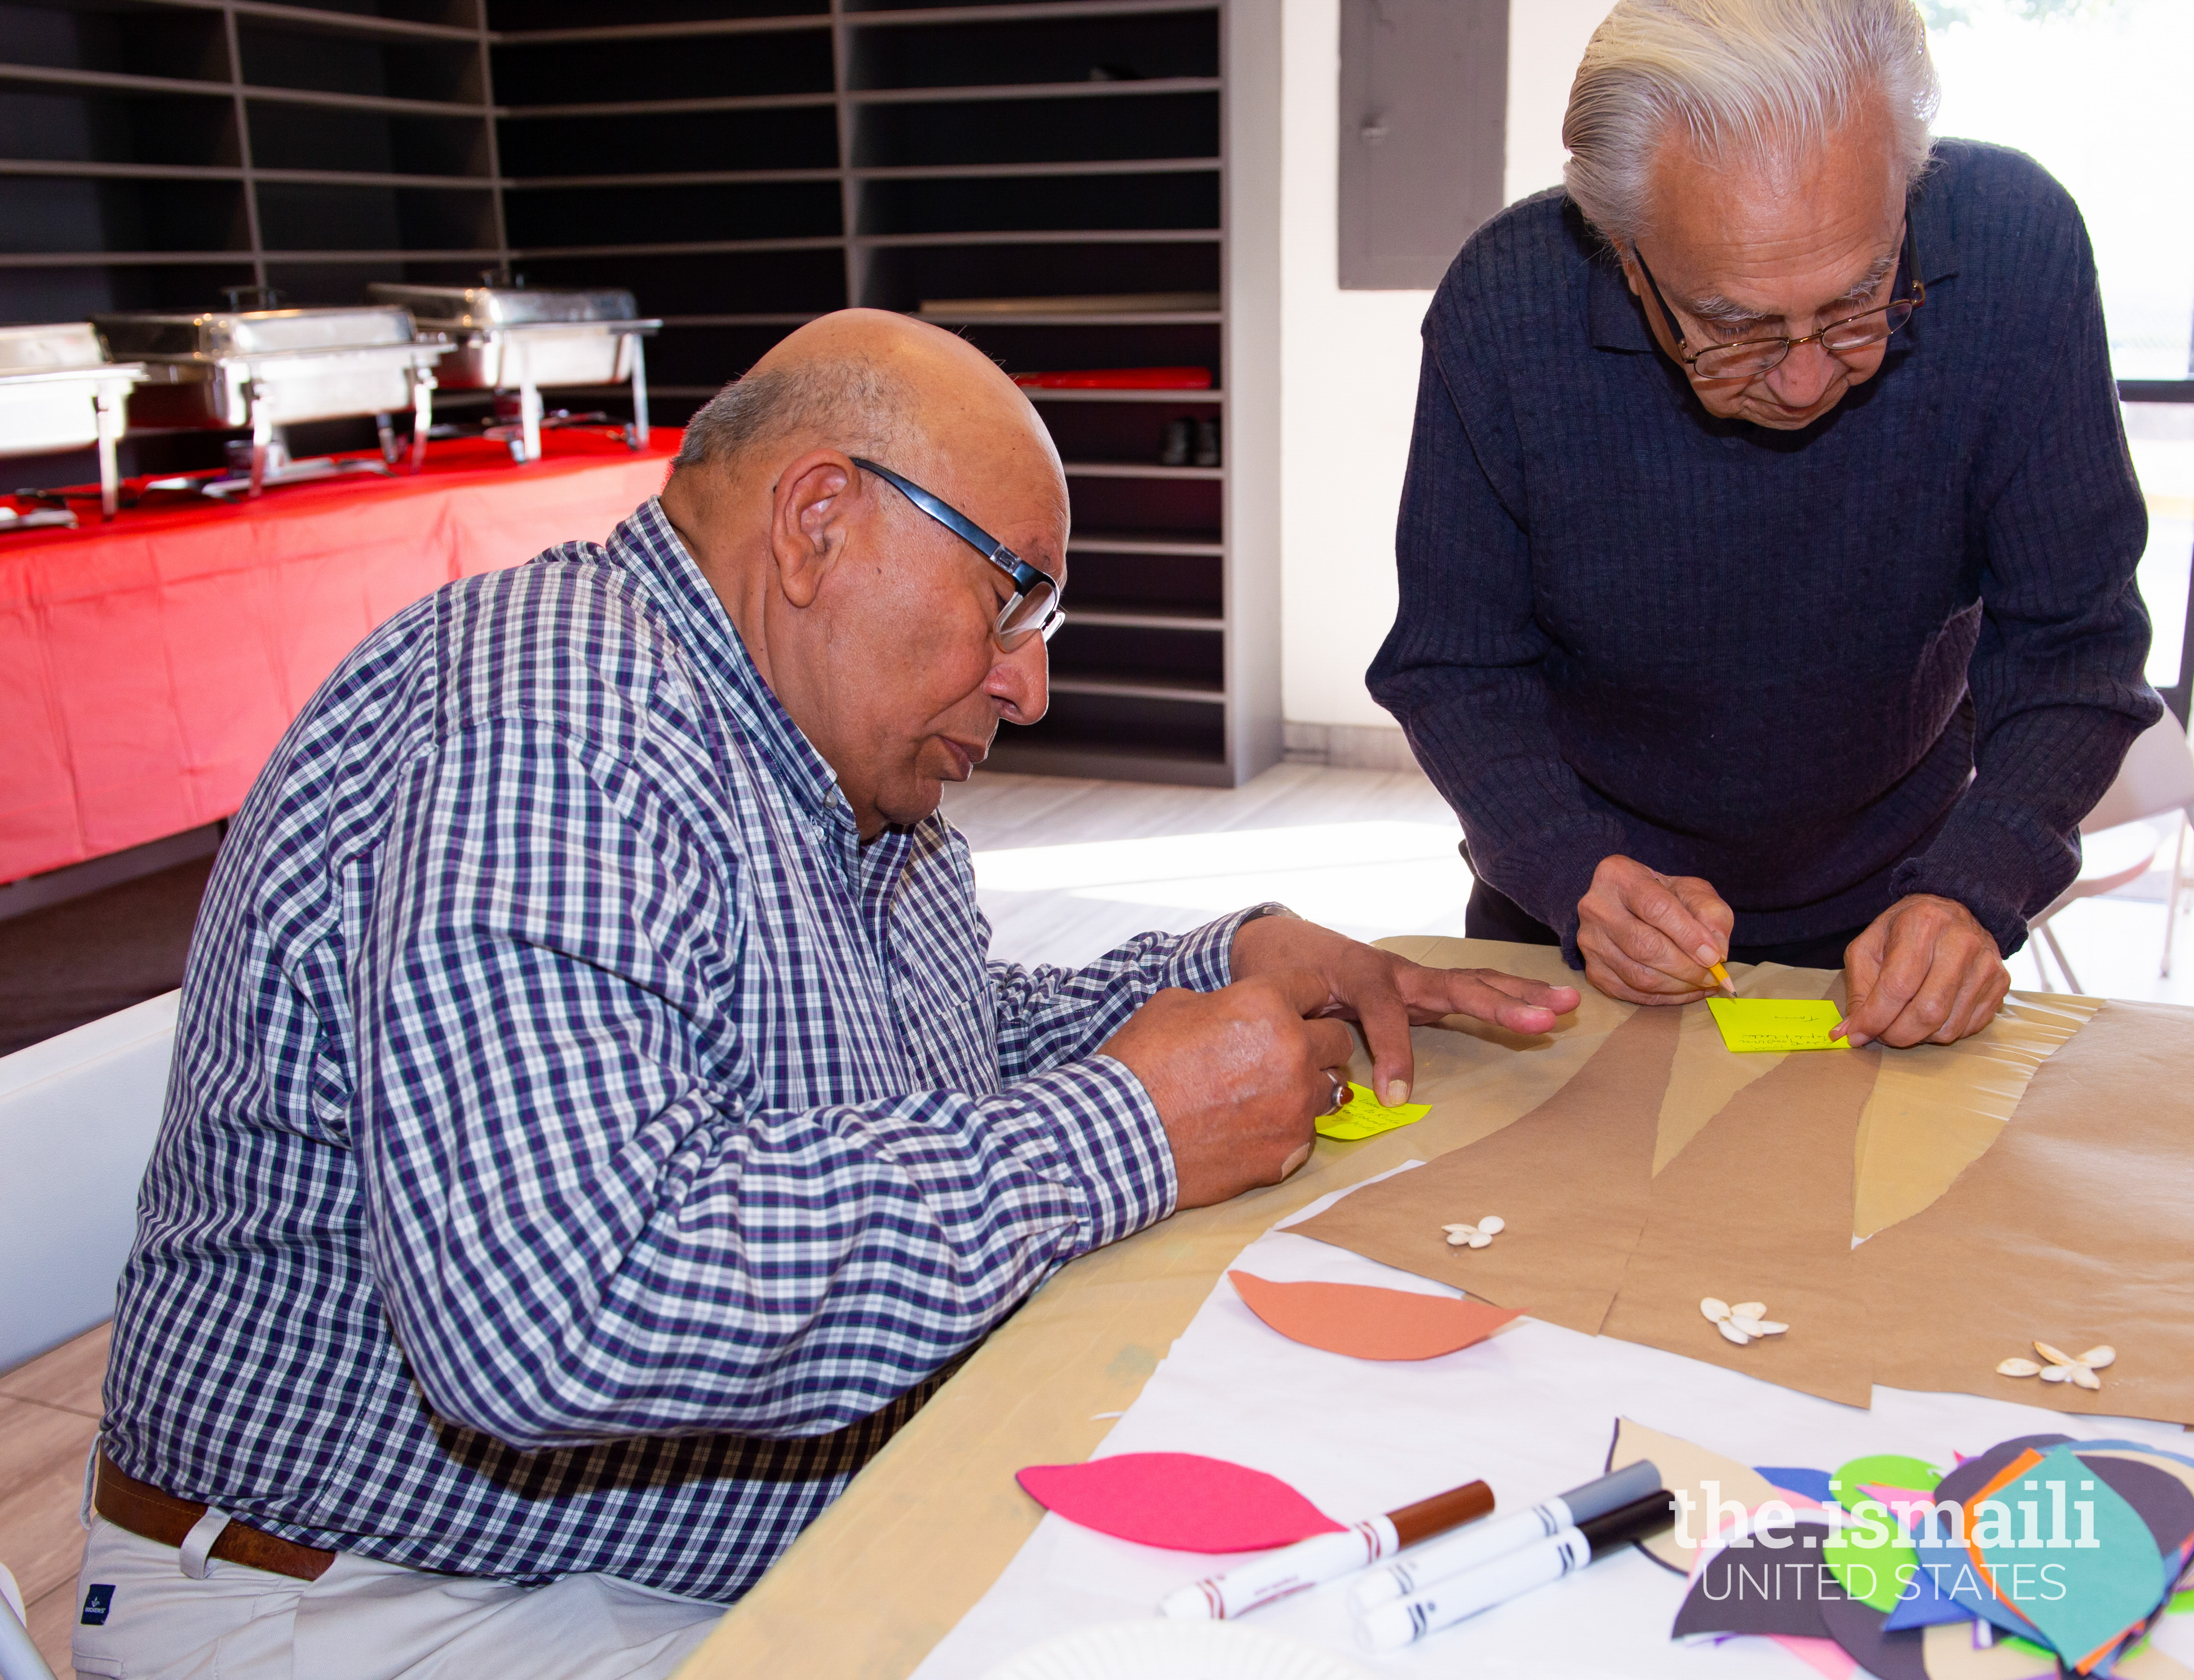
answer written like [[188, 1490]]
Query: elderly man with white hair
[[1767, 552]]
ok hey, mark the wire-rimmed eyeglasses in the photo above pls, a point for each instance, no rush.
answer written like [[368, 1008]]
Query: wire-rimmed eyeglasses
[[1034, 610], [1750, 358]]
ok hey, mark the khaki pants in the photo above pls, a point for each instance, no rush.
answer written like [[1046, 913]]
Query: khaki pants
[[365, 1620]]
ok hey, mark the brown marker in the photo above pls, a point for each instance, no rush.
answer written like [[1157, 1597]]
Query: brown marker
[[1325, 1557]]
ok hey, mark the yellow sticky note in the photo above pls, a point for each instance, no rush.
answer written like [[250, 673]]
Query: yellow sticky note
[[1777, 1023], [1364, 1116]]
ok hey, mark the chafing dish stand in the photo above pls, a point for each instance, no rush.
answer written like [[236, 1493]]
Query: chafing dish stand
[[57, 391], [263, 369], [514, 337]]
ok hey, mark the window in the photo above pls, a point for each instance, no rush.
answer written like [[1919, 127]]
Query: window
[[2096, 91]]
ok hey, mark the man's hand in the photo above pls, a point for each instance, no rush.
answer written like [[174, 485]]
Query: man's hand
[[1238, 1075], [1647, 937], [1924, 971], [1386, 994]]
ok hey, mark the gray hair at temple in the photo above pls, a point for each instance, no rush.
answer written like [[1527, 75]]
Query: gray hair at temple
[[1766, 80], [850, 405]]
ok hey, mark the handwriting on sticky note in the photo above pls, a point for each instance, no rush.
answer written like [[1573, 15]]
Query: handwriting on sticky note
[[1364, 1116], [1777, 1023]]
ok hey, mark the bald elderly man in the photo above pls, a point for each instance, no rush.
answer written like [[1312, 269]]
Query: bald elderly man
[[595, 1124], [1768, 550]]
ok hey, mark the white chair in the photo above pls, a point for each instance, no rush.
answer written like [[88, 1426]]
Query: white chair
[[2118, 842], [18, 1657], [79, 1114]]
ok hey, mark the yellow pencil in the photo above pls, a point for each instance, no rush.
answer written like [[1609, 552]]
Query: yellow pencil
[[1722, 975]]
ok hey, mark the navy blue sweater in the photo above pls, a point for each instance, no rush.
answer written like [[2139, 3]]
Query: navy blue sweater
[[1899, 651]]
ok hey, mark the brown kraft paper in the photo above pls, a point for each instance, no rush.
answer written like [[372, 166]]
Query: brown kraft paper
[[1758, 1207], [2076, 1229], [1570, 1178]]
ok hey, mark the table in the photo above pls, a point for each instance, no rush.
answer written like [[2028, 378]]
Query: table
[[148, 666], [923, 1531]]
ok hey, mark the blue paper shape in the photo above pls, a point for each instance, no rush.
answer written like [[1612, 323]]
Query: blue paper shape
[[1924, 1607], [2086, 1585], [1807, 1484]]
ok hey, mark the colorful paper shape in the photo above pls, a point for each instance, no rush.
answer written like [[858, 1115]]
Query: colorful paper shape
[[1823, 1656], [1952, 1655], [1364, 1116], [1880, 1574], [1754, 1587], [1776, 1023], [1182, 1501], [2162, 1499], [1686, 1470], [1367, 1323], [1809, 1484], [1863, 1631], [2103, 1591], [1948, 1566]]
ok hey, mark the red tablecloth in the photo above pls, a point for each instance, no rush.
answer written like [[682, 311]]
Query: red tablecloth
[[147, 666]]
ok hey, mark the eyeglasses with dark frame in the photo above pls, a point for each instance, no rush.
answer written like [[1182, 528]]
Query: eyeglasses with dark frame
[[1034, 610], [1750, 358]]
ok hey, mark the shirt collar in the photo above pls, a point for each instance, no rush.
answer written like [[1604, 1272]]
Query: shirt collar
[[1617, 317], [650, 545]]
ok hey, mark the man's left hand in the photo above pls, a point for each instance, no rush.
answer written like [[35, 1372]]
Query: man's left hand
[[1386, 995], [1926, 971]]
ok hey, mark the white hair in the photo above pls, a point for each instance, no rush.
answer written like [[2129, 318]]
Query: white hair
[[1764, 81]]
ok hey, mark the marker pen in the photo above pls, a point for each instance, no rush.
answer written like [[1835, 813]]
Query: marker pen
[[1572, 1509], [1325, 1557], [1391, 1626]]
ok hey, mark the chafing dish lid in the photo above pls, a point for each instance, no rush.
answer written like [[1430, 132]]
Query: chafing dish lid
[[216, 333], [41, 349], [489, 306]]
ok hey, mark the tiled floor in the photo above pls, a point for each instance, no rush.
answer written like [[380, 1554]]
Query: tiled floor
[[49, 1413], [1065, 869]]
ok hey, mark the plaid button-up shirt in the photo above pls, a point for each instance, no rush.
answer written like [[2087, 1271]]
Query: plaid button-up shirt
[[581, 1149]]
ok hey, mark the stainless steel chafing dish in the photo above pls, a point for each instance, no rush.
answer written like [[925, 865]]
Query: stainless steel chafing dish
[[268, 368], [516, 338], [59, 392]]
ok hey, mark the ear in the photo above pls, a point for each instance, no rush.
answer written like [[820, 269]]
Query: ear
[[810, 506], [1630, 273]]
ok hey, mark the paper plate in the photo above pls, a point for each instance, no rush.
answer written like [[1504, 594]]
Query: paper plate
[[1174, 1650]]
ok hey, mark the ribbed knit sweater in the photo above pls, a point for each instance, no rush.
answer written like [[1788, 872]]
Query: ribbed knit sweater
[[1897, 652]]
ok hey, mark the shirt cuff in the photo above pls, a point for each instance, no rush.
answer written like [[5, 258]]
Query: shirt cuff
[[1111, 1145], [1204, 961]]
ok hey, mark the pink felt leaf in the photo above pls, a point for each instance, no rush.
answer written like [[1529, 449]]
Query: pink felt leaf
[[1182, 1501], [1824, 1655]]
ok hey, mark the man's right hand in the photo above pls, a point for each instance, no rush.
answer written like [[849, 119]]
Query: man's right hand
[[1238, 1077], [1647, 937]]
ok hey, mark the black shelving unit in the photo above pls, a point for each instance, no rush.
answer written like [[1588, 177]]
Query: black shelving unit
[[741, 169]]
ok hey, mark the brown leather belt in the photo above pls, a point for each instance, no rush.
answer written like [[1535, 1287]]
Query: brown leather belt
[[152, 1515]]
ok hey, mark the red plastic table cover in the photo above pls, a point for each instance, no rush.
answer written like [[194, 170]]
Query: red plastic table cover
[[148, 666]]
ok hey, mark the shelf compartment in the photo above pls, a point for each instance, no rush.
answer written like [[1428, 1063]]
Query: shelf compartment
[[1117, 658], [801, 137], [85, 125], [317, 218], [626, 216], [789, 61], [1176, 200], [1145, 541], [62, 292], [517, 21], [706, 357], [319, 62], [1187, 588], [1006, 51], [1045, 130], [292, 136], [802, 282], [1116, 433], [41, 215], [120, 40], [1122, 736], [1167, 510], [1138, 469], [904, 271], [387, 19]]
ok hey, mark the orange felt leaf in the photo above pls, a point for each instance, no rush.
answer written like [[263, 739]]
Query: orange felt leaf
[[1368, 1323]]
